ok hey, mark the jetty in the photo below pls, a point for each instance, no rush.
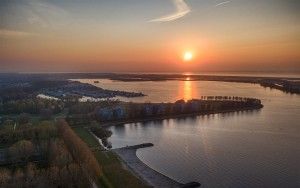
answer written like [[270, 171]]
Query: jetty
[[144, 172]]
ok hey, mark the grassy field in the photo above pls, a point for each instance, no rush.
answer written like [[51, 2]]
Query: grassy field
[[115, 175], [84, 134]]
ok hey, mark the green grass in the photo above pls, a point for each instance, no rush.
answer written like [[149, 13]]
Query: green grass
[[115, 172], [86, 136]]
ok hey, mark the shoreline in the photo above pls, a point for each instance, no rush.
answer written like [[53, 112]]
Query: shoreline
[[287, 84], [150, 176], [139, 169], [127, 155], [161, 118]]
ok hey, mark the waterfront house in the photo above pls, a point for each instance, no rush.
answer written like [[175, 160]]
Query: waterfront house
[[119, 112], [105, 114], [110, 113], [148, 109], [179, 106], [160, 109], [192, 105]]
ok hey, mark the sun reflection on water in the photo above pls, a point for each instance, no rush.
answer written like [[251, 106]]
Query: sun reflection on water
[[187, 90]]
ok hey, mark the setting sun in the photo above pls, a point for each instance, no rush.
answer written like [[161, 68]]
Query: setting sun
[[187, 56]]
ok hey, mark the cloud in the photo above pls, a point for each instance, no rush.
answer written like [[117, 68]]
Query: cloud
[[181, 10], [45, 14], [222, 3], [33, 14], [12, 33]]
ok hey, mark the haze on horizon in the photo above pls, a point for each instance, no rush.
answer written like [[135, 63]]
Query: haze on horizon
[[149, 35]]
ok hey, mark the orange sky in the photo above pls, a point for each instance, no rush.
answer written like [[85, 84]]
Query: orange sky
[[64, 36]]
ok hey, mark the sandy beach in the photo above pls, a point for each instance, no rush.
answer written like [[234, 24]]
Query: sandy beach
[[150, 176]]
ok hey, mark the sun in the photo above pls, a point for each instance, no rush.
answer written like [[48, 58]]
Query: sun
[[187, 56]]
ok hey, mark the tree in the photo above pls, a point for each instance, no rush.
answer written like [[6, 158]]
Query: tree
[[58, 154], [4, 176], [46, 113], [23, 118], [18, 178], [21, 150], [30, 173], [80, 151]]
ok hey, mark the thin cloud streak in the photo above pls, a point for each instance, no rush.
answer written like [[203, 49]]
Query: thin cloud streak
[[181, 10], [12, 33], [46, 14], [222, 3]]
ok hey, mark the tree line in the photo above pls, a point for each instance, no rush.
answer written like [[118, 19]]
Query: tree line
[[36, 133], [79, 150], [31, 106], [126, 111]]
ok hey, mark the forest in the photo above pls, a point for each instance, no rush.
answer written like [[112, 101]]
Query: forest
[[45, 155]]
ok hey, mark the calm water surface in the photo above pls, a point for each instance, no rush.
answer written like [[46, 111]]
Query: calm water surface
[[246, 149]]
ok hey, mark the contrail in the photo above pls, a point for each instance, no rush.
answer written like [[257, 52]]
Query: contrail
[[222, 3], [181, 10]]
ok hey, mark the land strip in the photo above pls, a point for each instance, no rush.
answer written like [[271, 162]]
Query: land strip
[[175, 116]]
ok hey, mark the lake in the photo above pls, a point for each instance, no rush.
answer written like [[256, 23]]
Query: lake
[[258, 148]]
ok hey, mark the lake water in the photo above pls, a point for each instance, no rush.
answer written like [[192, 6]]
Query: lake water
[[244, 149]]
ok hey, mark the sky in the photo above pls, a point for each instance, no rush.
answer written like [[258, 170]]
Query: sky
[[149, 35]]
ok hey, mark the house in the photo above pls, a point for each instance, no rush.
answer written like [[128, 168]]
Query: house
[[111, 113], [160, 109], [105, 114], [148, 109], [192, 105], [119, 112], [179, 106]]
